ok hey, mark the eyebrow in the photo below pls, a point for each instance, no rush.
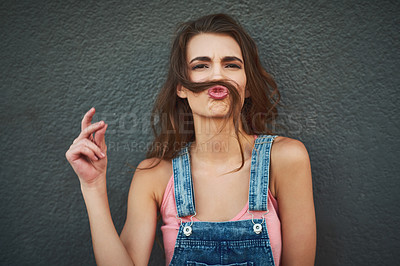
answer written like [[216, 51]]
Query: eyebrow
[[208, 59]]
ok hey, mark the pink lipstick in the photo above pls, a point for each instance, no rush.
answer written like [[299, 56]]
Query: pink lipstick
[[218, 92]]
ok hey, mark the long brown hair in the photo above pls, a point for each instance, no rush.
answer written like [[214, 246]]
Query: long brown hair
[[172, 119]]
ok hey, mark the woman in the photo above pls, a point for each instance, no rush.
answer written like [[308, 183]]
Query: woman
[[228, 194]]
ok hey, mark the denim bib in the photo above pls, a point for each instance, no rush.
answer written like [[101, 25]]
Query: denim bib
[[235, 243]]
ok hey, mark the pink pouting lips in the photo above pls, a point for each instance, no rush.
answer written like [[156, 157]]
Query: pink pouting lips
[[218, 92]]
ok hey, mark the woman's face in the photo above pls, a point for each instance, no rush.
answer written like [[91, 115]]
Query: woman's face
[[213, 57]]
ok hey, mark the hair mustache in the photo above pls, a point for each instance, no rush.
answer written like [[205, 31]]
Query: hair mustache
[[198, 87]]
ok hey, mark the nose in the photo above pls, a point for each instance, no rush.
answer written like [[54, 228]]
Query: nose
[[217, 72]]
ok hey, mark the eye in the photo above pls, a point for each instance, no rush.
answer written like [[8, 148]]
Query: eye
[[233, 66], [199, 66]]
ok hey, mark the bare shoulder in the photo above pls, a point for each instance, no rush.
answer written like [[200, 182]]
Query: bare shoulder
[[291, 169], [145, 196], [154, 167], [289, 163], [153, 175], [286, 151]]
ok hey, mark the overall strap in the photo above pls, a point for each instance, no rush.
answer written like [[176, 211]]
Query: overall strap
[[183, 186], [259, 173]]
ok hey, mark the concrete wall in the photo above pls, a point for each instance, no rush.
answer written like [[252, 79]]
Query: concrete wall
[[336, 62]]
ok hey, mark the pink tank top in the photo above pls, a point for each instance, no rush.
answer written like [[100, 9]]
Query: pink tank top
[[171, 224]]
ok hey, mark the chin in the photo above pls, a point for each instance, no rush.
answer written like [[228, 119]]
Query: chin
[[219, 114], [219, 109]]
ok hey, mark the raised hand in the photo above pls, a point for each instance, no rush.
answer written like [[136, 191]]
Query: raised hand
[[87, 154]]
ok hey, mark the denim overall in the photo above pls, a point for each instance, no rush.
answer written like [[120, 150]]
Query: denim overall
[[232, 243]]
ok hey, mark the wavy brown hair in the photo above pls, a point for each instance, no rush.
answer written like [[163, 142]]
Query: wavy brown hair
[[172, 119]]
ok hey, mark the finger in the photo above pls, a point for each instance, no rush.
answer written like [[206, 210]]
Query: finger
[[90, 130], [76, 151], [89, 153], [87, 118], [89, 144], [96, 149], [99, 138]]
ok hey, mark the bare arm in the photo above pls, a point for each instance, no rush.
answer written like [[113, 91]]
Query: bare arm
[[87, 156], [134, 245], [107, 246], [140, 226], [293, 185]]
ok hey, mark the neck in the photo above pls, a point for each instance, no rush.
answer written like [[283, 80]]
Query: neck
[[217, 142]]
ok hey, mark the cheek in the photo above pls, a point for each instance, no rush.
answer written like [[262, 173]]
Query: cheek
[[198, 76], [242, 88], [197, 99], [242, 83], [244, 78]]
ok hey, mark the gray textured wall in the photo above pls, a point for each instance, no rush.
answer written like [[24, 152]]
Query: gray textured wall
[[336, 62]]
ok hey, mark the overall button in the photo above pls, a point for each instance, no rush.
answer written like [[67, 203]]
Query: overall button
[[187, 230], [257, 228]]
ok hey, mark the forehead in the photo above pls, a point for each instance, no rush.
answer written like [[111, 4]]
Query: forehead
[[212, 45]]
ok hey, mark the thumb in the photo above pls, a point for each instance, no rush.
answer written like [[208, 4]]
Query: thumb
[[99, 138]]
